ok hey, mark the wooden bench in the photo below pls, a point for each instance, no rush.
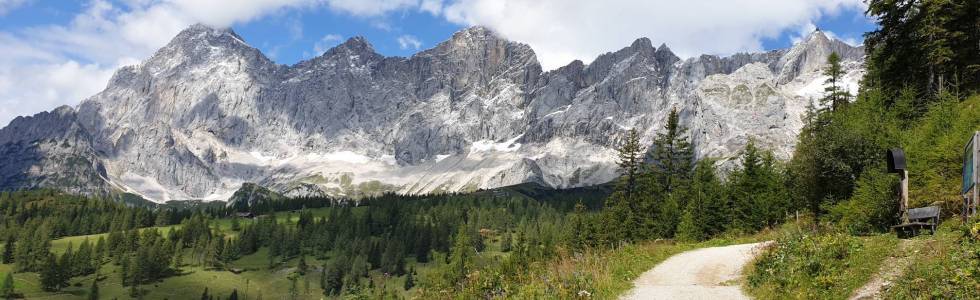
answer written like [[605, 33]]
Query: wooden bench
[[919, 218]]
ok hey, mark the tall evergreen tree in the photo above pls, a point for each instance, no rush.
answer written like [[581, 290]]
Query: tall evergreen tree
[[52, 278], [834, 94], [7, 289], [409, 281], [461, 257], [630, 160], [8, 249], [707, 212], [927, 45], [93, 290], [671, 166], [672, 156], [619, 219]]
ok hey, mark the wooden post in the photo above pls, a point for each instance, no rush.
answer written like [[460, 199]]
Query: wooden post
[[905, 196]]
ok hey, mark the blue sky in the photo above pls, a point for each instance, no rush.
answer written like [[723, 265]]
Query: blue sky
[[69, 49]]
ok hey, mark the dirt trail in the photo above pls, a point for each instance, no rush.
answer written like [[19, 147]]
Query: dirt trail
[[708, 273], [893, 267]]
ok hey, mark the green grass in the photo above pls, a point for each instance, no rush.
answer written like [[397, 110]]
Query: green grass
[[947, 266], [808, 264], [59, 246], [600, 274]]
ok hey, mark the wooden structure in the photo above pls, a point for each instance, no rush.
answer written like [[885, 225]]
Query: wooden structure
[[896, 164], [245, 215], [917, 220], [971, 178]]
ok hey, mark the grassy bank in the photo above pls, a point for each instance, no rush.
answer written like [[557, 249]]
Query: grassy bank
[[814, 264], [948, 266]]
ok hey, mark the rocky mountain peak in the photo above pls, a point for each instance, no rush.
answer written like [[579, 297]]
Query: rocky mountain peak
[[204, 34], [642, 44], [355, 45], [665, 55], [816, 37]]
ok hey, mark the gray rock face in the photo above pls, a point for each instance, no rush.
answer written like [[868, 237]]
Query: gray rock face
[[208, 112]]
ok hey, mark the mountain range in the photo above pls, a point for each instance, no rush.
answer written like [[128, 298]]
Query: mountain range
[[208, 113]]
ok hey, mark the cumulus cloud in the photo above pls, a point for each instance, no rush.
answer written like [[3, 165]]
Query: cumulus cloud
[[560, 30], [407, 41]]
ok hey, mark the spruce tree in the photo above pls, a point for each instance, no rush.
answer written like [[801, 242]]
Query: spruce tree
[[668, 179], [7, 289], [672, 156], [707, 211], [301, 266], [8, 249], [834, 94], [93, 291], [51, 275], [619, 219], [409, 281], [505, 242], [629, 163], [461, 257]]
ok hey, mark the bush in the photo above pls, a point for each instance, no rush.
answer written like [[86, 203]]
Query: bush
[[874, 206]]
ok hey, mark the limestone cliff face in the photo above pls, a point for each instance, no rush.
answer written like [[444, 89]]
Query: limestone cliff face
[[208, 112]]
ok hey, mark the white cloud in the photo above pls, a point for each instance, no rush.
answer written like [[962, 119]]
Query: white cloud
[[431, 6], [326, 42], [562, 30], [406, 42], [6, 6], [371, 8]]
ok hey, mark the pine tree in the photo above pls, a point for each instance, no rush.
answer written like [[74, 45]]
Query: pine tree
[[301, 266], [51, 275], [461, 257], [834, 94], [579, 233], [409, 281], [235, 224], [629, 163], [178, 260], [618, 219], [93, 291], [757, 190], [505, 242], [8, 249], [707, 211], [7, 289], [667, 181], [672, 156]]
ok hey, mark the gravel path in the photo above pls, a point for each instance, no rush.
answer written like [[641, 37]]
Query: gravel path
[[709, 273]]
